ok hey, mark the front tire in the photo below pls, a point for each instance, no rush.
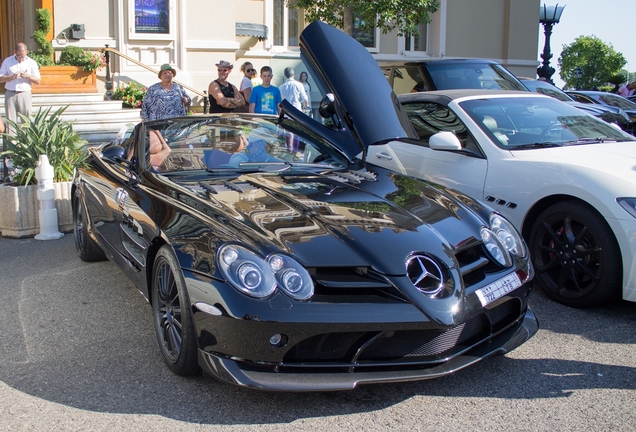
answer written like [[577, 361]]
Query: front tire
[[576, 256], [86, 247], [172, 315]]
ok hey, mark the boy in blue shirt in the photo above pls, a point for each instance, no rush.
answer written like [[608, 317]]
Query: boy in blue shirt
[[265, 97]]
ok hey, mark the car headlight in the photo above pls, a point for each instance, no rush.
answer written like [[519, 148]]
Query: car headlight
[[502, 240], [629, 204], [258, 277], [495, 248], [292, 277], [508, 235]]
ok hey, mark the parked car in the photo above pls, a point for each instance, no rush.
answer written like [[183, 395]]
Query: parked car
[[445, 74], [607, 113], [565, 179], [274, 258], [626, 107]]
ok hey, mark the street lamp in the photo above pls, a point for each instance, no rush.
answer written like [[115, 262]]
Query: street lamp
[[578, 74], [549, 15]]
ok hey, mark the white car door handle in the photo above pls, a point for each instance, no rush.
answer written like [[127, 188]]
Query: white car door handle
[[384, 156]]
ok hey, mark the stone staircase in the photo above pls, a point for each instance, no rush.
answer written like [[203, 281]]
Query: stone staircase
[[95, 119]]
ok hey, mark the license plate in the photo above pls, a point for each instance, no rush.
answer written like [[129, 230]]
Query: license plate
[[498, 289]]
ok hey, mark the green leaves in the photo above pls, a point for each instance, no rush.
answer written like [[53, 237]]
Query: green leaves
[[44, 133], [598, 60], [76, 56], [405, 15]]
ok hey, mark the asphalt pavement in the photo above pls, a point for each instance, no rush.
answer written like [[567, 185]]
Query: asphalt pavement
[[78, 352]]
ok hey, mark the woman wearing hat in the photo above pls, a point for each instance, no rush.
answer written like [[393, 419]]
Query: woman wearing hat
[[224, 97], [165, 98]]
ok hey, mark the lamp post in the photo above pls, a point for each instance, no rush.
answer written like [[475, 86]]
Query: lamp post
[[549, 16], [578, 74]]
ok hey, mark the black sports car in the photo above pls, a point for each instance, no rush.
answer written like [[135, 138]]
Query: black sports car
[[275, 257]]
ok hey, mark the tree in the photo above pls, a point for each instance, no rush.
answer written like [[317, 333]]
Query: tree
[[404, 15], [598, 60]]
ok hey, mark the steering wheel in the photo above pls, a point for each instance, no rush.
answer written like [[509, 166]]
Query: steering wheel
[[555, 127]]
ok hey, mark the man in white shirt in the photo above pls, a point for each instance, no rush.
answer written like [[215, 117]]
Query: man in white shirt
[[293, 91], [18, 72]]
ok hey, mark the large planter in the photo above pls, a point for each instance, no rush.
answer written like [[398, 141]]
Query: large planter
[[65, 79], [19, 212]]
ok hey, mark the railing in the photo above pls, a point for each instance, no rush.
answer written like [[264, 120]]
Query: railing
[[109, 83]]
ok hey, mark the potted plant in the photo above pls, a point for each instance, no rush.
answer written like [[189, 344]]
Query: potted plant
[[41, 134], [130, 93]]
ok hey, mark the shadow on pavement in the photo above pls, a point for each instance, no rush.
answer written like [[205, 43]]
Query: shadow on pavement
[[81, 335]]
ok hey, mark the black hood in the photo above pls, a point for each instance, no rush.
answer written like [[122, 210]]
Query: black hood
[[367, 107]]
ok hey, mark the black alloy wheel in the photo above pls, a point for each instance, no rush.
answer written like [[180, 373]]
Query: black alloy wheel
[[576, 256], [87, 249], [172, 315]]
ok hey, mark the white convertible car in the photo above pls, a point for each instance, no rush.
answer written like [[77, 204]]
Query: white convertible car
[[565, 179]]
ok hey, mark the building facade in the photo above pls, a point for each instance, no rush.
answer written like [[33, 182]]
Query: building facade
[[193, 35]]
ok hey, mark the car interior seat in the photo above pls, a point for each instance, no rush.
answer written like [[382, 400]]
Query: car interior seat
[[491, 124]]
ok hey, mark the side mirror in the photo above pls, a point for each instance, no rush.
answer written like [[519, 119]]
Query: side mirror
[[326, 108], [444, 141], [114, 153]]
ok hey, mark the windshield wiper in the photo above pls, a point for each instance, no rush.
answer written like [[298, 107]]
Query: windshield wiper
[[537, 145], [585, 140]]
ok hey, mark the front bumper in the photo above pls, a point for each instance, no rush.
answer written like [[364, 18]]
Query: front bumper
[[348, 376]]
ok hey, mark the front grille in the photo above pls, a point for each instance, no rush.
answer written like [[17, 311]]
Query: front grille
[[426, 346], [328, 347]]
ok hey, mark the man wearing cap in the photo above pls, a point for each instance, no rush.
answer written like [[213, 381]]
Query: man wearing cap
[[18, 72], [165, 98], [224, 96], [293, 91]]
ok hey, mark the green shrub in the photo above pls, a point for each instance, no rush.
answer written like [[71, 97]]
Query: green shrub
[[41, 134], [76, 56], [44, 54]]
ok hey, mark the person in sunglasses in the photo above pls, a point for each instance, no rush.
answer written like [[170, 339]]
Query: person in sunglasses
[[19, 72], [224, 96], [246, 84]]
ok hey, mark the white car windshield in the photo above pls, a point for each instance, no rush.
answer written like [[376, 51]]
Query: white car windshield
[[522, 122]]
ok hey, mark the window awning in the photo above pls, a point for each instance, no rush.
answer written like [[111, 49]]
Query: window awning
[[251, 29]]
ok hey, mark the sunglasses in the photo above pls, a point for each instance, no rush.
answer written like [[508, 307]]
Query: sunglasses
[[223, 70], [250, 70]]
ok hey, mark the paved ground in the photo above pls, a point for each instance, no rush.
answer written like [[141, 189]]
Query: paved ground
[[78, 352]]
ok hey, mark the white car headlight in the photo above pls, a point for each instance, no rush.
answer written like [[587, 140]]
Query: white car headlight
[[508, 235], [258, 277], [629, 204]]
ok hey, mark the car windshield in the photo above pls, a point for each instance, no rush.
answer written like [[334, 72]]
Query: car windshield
[[547, 89], [485, 76], [234, 143], [523, 122], [617, 101]]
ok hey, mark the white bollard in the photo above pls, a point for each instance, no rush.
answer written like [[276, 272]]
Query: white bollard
[[46, 195]]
